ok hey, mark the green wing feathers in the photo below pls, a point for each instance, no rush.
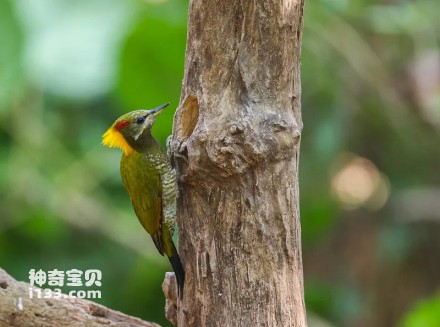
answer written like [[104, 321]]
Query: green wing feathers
[[143, 183], [143, 187]]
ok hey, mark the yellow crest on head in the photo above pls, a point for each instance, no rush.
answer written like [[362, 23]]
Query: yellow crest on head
[[114, 139]]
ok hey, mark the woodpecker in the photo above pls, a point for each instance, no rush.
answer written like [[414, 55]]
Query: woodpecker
[[149, 179]]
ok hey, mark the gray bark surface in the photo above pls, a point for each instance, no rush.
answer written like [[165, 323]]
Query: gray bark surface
[[236, 148]]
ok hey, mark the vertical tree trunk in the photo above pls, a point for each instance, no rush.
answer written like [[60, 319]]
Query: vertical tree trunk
[[239, 126]]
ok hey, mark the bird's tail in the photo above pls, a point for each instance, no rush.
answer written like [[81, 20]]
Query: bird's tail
[[178, 271]]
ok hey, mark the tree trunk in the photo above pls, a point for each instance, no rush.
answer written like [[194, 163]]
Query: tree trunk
[[236, 145]]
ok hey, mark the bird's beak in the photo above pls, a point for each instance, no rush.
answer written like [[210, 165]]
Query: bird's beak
[[156, 111]]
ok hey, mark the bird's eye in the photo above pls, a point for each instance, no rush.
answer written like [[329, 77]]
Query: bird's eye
[[140, 120]]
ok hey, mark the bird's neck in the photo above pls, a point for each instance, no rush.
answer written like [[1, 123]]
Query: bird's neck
[[144, 142]]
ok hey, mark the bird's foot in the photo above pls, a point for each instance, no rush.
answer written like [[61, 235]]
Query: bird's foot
[[176, 149]]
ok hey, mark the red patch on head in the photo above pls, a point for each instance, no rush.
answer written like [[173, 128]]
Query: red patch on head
[[122, 124]]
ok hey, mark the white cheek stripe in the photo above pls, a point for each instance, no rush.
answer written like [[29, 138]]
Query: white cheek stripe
[[137, 135], [141, 131]]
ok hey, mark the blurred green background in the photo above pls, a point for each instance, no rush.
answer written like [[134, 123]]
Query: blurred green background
[[370, 153]]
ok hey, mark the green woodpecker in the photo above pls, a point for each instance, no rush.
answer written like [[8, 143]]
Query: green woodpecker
[[149, 180]]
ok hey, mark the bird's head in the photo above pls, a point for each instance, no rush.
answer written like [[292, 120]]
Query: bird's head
[[132, 130]]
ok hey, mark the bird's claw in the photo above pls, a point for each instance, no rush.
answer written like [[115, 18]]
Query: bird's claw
[[176, 149]]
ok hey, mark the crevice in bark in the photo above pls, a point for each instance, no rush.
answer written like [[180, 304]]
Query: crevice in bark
[[190, 116]]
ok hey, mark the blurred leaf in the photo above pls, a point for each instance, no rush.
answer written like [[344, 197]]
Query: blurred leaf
[[402, 18], [43, 228], [318, 213], [424, 314], [395, 243], [11, 38], [147, 277], [151, 70], [333, 301], [72, 46], [318, 298]]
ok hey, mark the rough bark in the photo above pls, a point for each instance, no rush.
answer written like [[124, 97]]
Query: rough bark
[[18, 309], [236, 144]]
